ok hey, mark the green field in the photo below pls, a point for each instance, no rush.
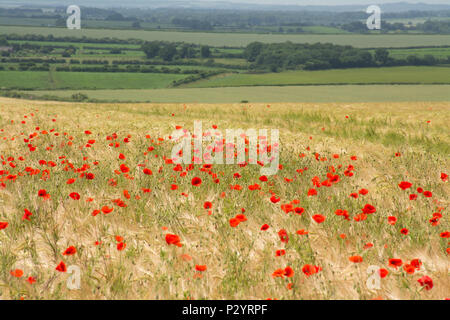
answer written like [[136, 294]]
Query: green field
[[241, 39], [42, 80], [394, 75], [355, 93], [404, 53]]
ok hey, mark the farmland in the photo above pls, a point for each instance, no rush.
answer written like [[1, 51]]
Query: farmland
[[241, 39], [43, 80], [394, 75], [361, 194], [271, 94]]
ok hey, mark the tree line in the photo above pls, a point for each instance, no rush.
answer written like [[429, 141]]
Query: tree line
[[276, 57]]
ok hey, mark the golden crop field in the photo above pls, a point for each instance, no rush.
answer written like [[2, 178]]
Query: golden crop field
[[357, 210]]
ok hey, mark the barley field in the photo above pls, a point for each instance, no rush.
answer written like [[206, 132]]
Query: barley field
[[358, 208]]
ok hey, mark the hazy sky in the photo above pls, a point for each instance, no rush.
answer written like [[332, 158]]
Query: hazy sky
[[331, 2], [142, 3], [289, 2]]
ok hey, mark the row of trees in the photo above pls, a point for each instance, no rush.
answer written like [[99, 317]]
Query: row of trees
[[290, 56], [429, 26], [171, 51]]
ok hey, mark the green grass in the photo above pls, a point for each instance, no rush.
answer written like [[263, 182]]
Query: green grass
[[42, 80], [348, 93], [78, 45], [436, 52], [411, 75], [241, 39], [323, 30]]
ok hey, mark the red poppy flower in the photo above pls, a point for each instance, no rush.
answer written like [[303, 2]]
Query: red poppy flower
[[27, 215], [427, 194], [279, 273], [16, 273], [309, 270], [426, 282], [280, 253], [200, 268], [173, 239], [196, 181], [207, 205], [31, 280], [392, 220], [356, 259], [368, 245], [234, 222], [404, 231], [369, 209], [288, 272], [124, 168], [75, 196], [287, 207], [283, 236], [416, 263], [405, 185], [383, 273], [147, 171], [90, 176], [444, 177], [409, 268], [61, 267], [274, 199], [3, 225], [412, 197], [264, 227], [70, 251], [121, 246], [107, 210], [395, 263], [312, 192], [363, 191], [444, 234], [42, 193], [343, 213], [318, 218], [299, 210]]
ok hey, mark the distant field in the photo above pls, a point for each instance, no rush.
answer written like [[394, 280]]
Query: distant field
[[347, 93], [241, 39], [412, 75], [43, 80], [436, 52]]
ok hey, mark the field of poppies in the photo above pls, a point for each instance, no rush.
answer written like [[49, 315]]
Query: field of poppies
[[93, 207]]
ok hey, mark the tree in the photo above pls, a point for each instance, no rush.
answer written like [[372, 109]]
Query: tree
[[382, 56], [151, 49], [205, 52], [187, 51], [136, 25], [252, 51], [3, 41], [168, 52]]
